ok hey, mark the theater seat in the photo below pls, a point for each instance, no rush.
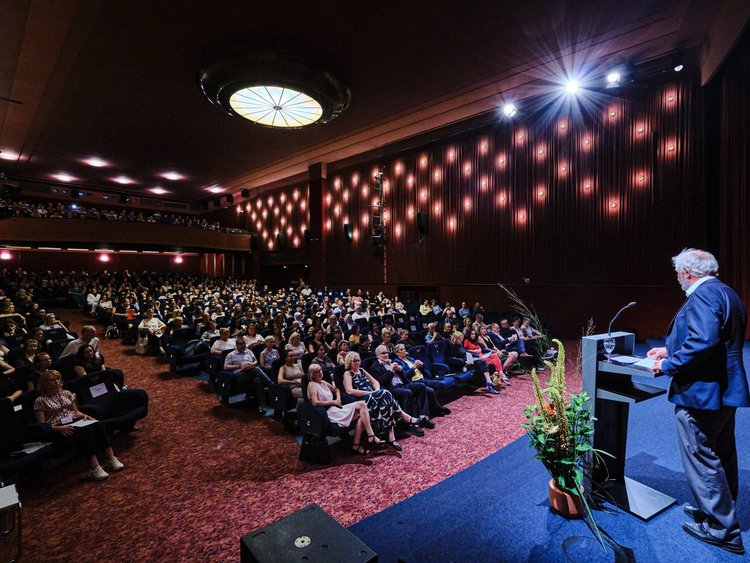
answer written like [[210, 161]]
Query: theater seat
[[118, 410], [191, 353], [313, 421], [438, 353]]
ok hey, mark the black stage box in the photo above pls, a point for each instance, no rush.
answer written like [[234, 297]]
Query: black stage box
[[310, 534]]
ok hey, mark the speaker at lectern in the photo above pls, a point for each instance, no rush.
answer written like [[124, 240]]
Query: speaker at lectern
[[611, 386]]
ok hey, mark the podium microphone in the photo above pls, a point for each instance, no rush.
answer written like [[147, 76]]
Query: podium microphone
[[628, 306]]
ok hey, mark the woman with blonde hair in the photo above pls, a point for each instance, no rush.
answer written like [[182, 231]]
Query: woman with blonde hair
[[58, 408], [384, 409], [323, 394]]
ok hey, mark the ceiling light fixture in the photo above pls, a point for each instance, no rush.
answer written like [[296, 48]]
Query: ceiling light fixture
[[274, 90], [124, 180], [158, 190], [96, 162], [63, 177], [510, 110], [172, 176]]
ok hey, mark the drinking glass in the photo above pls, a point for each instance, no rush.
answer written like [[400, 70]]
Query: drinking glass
[[609, 346]]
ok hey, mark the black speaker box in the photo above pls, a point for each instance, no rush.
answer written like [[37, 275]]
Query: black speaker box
[[423, 223], [256, 242], [281, 240], [310, 534], [245, 193], [229, 198]]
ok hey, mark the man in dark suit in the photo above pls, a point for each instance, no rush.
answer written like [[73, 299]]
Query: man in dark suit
[[411, 396], [703, 355]]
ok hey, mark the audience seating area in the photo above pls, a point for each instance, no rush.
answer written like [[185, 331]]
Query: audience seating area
[[59, 210], [191, 312]]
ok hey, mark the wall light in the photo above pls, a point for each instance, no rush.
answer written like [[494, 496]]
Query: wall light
[[510, 110]]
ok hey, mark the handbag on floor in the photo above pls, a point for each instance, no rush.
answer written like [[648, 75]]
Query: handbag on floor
[[141, 344], [315, 450]]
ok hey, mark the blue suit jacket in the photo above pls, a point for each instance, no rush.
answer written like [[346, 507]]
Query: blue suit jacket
[[704, 347]]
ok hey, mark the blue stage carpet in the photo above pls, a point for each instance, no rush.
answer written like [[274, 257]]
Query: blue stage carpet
[[497, 509]]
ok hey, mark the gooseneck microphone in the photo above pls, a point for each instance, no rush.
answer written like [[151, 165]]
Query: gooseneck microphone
[[628, 306]]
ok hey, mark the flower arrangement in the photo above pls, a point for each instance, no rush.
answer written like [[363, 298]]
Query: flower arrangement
[[560, 430]]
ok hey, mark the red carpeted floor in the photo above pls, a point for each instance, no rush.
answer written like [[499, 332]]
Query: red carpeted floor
[[199, 475]]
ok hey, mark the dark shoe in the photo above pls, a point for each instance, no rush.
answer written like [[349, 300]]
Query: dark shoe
[[699, 532], [695, 513], [359, 449], [416, 430], [444, 411], [374, 442], [395, 445], [262, 409], [426, 423], [490, 389]]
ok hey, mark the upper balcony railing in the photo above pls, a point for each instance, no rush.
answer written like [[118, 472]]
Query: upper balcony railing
[[93, 233]]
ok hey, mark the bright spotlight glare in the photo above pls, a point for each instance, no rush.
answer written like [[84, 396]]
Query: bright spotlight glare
[[510, 110], [571, 87], [613, 77], [678, 68]]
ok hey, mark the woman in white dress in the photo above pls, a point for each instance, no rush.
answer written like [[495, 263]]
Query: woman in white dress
[[323, 394]]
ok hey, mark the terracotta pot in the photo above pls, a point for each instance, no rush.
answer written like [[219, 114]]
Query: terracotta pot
[[564, 503]]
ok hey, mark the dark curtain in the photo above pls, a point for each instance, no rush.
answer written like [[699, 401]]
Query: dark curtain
[[734, 168], [600, 197]]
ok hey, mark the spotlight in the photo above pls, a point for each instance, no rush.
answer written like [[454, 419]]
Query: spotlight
[[572, 87], [676, 61], [510, 110], [613, 78]]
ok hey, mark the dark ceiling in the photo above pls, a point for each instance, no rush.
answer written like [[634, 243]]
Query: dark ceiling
[[116, 79]]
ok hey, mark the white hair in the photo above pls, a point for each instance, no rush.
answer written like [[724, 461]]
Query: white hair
[[698, 262]]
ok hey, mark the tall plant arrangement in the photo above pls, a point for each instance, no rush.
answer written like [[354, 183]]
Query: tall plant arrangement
[[560, 428]]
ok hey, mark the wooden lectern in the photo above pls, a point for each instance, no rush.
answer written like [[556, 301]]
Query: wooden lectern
[[612, 389]]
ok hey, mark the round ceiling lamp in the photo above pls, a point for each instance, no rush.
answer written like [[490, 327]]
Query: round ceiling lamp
[[273, 90]]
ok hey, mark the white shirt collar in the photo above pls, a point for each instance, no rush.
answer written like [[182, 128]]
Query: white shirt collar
[[693, 287]]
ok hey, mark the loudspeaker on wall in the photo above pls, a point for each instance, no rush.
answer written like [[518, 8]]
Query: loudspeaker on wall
[[423, 223]]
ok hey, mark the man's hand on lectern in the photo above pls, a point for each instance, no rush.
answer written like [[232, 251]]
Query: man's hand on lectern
[[657, 354]]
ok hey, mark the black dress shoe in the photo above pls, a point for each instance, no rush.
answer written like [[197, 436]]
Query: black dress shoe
[[695, 513], [426, 423], [416, 430], [444, 411], [699, 532]]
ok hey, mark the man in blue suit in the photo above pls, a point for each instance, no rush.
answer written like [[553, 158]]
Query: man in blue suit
[[703, 356]]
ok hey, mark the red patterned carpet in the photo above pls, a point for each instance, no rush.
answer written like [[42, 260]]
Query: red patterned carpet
[[200, 475]]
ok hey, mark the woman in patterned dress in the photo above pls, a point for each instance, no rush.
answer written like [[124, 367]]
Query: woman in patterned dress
[[323, 394], [384, 409]]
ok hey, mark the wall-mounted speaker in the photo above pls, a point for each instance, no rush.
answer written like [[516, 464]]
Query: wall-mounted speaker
[[307, 236], [349, 231], [216, 201], [256, 242], [245, 193], [423, 223], [229, 198], [281, 240]]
